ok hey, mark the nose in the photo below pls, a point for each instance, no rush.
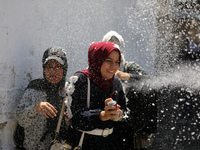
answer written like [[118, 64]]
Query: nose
[[53, 69], [114, 64]]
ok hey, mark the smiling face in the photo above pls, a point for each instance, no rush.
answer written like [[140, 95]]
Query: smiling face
[[53, 71], [110, 65]]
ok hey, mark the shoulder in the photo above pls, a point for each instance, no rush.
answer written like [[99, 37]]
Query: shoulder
[[80, 75], [76, 82], [34, 88], [31, 93], [117, 82], [78, 79], [36, 84]]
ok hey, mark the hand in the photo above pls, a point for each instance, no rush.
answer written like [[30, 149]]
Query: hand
[[122, 75], [110, 111], [46, 109]]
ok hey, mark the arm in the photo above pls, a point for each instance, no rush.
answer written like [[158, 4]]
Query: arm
[[133, 68], [135, 71], [132, 71], [27, 114]]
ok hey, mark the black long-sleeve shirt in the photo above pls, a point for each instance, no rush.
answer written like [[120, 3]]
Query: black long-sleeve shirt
[[88, 118]]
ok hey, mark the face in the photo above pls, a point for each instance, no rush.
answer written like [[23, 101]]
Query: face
[[110, 65], [53, 71]]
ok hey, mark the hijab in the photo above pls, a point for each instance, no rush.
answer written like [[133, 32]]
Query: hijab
[[97, 54]]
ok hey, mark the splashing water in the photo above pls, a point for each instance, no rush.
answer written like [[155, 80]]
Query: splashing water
[[178, 100]]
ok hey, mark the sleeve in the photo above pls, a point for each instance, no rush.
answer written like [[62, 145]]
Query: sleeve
[[27, 114], [83, 118], [134, 69]]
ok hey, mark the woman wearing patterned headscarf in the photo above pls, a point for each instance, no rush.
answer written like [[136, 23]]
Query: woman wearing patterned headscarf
[[42, 101]]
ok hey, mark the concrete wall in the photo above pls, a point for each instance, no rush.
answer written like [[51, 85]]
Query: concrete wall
[[28, 27]]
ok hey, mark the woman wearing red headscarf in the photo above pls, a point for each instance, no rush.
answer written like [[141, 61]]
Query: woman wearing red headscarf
[[96, 119]]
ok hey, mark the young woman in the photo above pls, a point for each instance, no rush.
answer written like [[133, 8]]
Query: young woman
[[98, 120], [128, 71], [42, 101]]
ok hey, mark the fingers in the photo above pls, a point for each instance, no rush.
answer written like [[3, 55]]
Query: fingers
[[48, 112], [107, 100], [122, 75], [44, 113], [118, 106], [118, 74], [52, 109], [46, 109], [111, 111]]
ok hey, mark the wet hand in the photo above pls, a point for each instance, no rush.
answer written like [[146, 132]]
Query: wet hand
[[46, 109], [122, 75]]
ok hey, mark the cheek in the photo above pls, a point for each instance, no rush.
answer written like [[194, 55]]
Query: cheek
[[46, 73], [59, 74], [118, 66], [103, 68]]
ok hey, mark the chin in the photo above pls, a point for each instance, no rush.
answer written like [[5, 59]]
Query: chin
[[54, 81], [108, 78]]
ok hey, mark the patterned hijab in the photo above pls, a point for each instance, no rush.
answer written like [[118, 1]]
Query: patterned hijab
[[97, 54]]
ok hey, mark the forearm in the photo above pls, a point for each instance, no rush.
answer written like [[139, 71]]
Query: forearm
[[86, 119]]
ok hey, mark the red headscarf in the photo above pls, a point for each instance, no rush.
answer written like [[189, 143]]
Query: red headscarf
[[97, 54]]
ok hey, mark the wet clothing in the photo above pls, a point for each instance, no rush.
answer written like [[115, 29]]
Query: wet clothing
[[88, 118], [35, 125], [39, 131], [178, 117], [146, 98], [138, 102]]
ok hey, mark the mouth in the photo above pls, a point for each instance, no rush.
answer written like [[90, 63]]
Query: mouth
[[111, 72], [53, 77]]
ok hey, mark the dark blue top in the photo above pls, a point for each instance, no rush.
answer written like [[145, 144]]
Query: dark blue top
[[88, 118]]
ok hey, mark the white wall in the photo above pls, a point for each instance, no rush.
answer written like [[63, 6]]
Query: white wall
[[29, 27]]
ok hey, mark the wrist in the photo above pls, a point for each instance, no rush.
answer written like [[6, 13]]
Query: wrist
[[37, 106]]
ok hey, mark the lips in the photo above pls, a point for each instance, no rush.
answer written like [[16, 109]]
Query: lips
[[111, 72], [53, 77]]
